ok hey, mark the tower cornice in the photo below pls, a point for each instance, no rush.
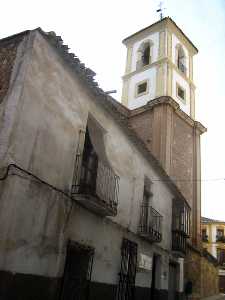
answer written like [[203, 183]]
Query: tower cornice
[[160, 25], [166, 100], [157, 63]]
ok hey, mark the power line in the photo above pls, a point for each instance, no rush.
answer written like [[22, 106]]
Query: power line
[[190, 180]]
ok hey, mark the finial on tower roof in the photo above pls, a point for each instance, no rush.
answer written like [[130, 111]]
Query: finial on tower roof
[[160, 10]]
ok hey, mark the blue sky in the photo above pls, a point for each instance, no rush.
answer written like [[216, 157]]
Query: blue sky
[[94, 31]]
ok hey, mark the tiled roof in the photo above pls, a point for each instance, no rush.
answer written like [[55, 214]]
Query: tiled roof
[[210, 221]]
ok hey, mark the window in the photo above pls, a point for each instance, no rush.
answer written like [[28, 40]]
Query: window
[[144, 54], [180, 224], [150, 219], [94, 179], [204, 235], [221, 256], [181, 59], [220, 235], [127, 274], [141, 88], [181, 94]]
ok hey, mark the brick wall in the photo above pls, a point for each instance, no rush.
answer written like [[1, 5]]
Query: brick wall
[[202, 271], [142, 124], [8, 50], [182, 156], [171, 140]]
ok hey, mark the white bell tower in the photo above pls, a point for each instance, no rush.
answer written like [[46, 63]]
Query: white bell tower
[[159, 63]]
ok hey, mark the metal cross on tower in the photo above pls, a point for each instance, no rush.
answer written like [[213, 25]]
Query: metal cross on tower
[[160, 10]]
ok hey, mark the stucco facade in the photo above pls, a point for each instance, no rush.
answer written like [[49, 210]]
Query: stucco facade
[[44, 113]]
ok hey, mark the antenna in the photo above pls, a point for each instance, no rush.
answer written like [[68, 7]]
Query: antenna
[[160, 10]]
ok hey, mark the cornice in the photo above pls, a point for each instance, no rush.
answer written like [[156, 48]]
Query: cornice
[[143, 69], [167, 23], [167, 100], [157, 63]]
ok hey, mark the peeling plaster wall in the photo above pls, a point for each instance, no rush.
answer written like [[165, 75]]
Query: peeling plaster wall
[[53, 106]]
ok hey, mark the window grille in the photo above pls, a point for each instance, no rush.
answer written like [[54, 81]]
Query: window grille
[[126, 285]]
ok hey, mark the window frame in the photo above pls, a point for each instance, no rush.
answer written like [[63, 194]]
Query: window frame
[[138, 84], [140, 52], [178, 86]]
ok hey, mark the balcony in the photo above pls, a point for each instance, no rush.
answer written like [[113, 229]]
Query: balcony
[[150, 224], [220, 238], [205, 239], [97, 189], [180, 225]]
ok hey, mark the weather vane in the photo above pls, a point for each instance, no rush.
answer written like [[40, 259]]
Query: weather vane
[[160, 10]]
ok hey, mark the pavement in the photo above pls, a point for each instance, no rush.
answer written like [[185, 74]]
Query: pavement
[[216, 297]]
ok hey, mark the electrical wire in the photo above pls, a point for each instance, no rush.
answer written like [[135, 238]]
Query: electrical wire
[[11, 166]]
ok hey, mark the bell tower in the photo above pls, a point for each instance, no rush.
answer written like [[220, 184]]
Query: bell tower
[[158, 89], [159, 63]]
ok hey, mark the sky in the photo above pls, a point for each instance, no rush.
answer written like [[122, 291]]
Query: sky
[[94, 30]]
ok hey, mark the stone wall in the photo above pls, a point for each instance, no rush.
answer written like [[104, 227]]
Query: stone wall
[[210, 278], [201, 269]]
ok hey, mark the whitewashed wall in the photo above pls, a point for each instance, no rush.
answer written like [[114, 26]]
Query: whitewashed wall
[[149, 75], [154, 49], [54, 106], [177, 78]]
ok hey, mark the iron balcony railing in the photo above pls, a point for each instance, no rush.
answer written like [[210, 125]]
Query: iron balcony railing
[[182, 67], [220, 238], [98, 181], [180, 225], [150, 224], [179, 241]]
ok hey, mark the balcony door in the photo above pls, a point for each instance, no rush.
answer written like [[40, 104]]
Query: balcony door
[[89, 167], [77, 273]]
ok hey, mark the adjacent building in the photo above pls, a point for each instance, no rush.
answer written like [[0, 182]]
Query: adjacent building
[[213, 239]]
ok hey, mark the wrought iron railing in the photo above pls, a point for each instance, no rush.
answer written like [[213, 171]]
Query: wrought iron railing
[[220, 238], [180, 224], [99, 181], [182, 67], [150, 223], [179, 241]]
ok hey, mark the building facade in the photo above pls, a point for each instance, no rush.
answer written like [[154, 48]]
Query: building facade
[[213, 239], [87, 211]]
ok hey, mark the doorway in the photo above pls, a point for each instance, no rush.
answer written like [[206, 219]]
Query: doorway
[[156, 271], [173, 272], [77, 273]]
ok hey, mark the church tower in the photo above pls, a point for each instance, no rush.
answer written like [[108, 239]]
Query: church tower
[[158, 89], [159, 63]]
